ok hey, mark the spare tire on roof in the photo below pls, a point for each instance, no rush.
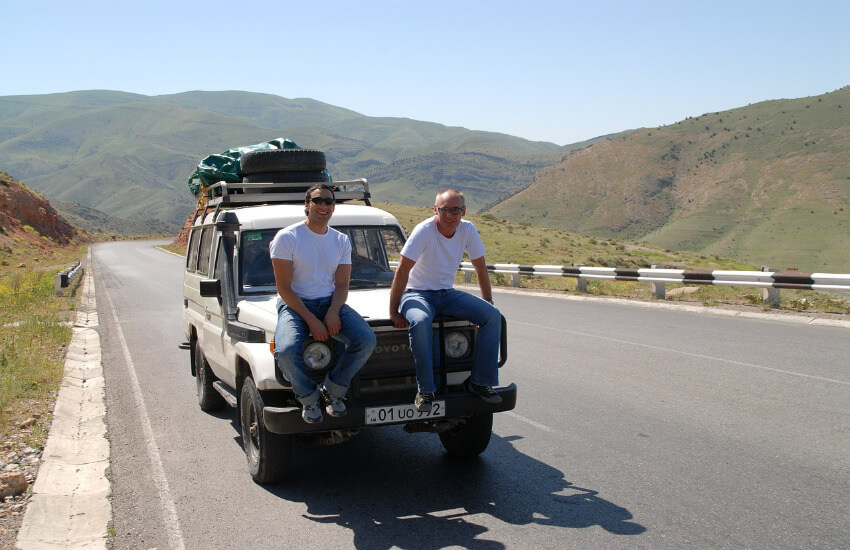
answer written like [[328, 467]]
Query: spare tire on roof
[[282, 160], [287, 177]]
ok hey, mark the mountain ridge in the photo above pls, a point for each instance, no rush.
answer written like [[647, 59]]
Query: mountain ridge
[[769, 182], [76, 145]]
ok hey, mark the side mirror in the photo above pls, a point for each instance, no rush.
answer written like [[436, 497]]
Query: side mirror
[[210, 288]]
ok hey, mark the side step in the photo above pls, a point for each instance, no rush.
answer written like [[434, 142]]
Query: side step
[[225, 393]]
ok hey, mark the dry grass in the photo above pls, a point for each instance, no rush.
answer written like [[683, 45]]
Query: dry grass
[[34, 336]]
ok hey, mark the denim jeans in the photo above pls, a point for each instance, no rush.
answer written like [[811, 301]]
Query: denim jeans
[[292, 331], [420, 307]]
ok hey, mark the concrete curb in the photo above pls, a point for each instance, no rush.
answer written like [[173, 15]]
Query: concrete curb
[[70, 506]]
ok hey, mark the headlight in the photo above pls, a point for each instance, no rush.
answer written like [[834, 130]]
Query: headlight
[[457, 344], [317, 356]]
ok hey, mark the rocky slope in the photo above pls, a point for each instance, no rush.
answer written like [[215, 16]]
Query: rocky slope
[[26, 215]]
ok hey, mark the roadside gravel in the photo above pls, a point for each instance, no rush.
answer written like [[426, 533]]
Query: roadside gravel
[[20, 451]]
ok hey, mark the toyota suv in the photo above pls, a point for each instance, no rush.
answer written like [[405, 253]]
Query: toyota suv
[[229, 314]]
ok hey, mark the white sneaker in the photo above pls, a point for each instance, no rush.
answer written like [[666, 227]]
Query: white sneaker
[[333, 405], [312, 413]]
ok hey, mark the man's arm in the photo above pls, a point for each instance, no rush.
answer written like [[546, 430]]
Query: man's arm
[[283, 281], [342, 278], [402, 273], [483, 278]]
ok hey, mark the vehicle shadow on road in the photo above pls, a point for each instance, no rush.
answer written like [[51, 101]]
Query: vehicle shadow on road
[[396, 490]]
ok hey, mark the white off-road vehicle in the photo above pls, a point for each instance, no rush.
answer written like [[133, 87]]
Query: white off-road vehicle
[[229, 297]]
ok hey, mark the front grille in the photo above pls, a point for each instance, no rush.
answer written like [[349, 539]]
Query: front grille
[[391, 358]]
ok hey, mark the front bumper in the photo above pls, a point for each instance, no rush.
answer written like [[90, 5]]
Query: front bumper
[[287, 420]]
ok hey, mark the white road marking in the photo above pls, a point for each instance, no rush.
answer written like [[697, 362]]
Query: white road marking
[[697, 355], [528, 421], [169, 512]]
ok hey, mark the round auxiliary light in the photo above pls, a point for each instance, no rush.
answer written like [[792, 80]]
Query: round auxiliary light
[[457, 344], [317, 356]]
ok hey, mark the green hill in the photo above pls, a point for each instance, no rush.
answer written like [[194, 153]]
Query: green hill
[[129, 155], [768, 183]]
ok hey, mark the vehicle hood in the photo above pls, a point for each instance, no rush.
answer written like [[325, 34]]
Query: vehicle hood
[[261, 312]]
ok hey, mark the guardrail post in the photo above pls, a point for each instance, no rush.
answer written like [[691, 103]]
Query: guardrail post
[[581, 282], [467, 277], [515, 280], [770, 295], [658, 290], [60, 281]]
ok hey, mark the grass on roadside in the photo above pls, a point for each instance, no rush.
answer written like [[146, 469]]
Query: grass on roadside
[[33, 337]]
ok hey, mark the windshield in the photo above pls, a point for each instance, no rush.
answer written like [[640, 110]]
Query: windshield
[[372, 248]]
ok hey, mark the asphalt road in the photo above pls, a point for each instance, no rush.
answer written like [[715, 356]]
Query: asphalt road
[[635, 428]]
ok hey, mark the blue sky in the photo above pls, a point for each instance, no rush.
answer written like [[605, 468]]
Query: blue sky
[[558, 71]]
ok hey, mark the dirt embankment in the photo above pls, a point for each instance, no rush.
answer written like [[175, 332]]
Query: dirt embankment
[[28, 216]]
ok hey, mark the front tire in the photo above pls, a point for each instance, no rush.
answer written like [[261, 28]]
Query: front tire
[[209, 399], [470, 438], [269, 454]]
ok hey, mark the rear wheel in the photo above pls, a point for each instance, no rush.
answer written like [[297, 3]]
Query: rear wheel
[[269, 454], [209, 399], [470, 438]]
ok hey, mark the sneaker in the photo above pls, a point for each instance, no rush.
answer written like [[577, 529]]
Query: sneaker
[[423, 402], [487, 393], [312, 413], [333, 405]]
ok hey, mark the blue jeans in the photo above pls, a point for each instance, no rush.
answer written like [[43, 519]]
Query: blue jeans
[[420, 307], [292, 331]]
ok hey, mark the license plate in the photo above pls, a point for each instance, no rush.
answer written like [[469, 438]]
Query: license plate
[[403, 413]]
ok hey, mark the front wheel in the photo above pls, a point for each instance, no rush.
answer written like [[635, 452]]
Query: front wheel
[[470, 438], [269, 454]]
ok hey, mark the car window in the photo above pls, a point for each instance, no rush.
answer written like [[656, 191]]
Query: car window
[[371, 250], [370, 267], [218, 255], [192, 256], [204, 251], [255, 265]]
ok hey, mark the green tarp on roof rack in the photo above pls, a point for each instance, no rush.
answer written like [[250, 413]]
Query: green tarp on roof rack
[[225, 165]]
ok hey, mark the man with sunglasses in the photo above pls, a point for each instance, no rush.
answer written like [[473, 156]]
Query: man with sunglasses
[[423, 287], [312, 268]]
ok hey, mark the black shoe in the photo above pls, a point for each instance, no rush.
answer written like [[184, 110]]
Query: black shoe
[[423, 402], [487, 393]]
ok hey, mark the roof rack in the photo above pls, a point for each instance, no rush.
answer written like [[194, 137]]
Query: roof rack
[[224, 194]]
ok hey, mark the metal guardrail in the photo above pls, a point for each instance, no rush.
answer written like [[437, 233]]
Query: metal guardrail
[[768, 280], [64, 278], [764, 279]]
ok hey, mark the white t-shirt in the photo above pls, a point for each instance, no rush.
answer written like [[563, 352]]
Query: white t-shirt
[[314, 257], [437, 257]]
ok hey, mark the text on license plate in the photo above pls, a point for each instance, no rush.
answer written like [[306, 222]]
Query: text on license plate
[[402, 413]]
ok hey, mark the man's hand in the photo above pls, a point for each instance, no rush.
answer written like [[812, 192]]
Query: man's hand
[[333, 323], [402, 272], [398, 320], [317, 329]]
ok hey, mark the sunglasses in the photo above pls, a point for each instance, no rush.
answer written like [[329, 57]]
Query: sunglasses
[[453, 211], [322, 200]]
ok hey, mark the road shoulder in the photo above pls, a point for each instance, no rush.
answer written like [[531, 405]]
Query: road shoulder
[[70, 504]]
